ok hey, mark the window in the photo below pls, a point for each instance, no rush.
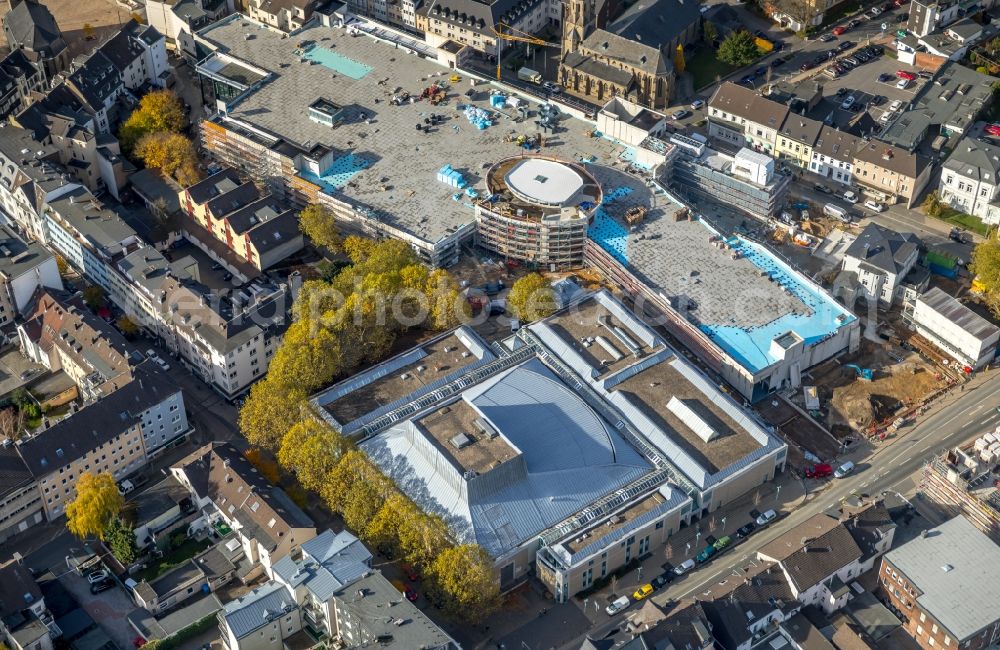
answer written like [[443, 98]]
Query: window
[[923, 617]]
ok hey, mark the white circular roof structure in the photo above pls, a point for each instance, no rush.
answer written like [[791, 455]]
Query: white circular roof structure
[[544, 182]]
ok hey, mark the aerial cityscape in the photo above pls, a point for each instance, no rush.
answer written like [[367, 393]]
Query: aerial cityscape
[[499, 324]]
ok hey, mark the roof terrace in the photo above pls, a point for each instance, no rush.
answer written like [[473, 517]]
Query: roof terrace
[[464, 437]]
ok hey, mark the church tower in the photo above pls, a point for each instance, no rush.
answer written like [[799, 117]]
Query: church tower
[[576, 21]]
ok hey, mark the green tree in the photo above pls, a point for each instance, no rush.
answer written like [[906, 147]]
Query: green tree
[[311, 449], [97, 502], [932, 204], [464, 575], [738, 49], [531, 298], [93, 297], [120, 538], [679, 64], [158, 111], [985, 265], [710, 32], [318, 224]]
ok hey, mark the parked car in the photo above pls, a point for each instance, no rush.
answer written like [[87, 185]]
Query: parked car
[[808, 65], [992, 129], [617, 605], [851, 197], [552, 87], [853, 23], [680, 115], [126, 486], [745, 530], [826, 38], [819, 187], [924, 74], [98, 576], [706, 554], [697, 104], [103, 585], [847, 103], [838, 30], [874, 205], [662, 580], [684, 567], [766, 517], [642, 592], [411, 594], [844, 470], [902, 84], [844, 46], [885, 76], [877, 100], [906, 74], [820, 470], [722, 542]]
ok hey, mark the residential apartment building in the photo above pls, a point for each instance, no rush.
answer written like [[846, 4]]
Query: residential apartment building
[[205, 572], [286, 15], [260, 230], [25, 621], [799, 16], [739, 117], [821, 556], [744, 612], [833, 155], [796, 140], [18, 78], [24, 268], [29, 27], [116, 434], [20, 503], [229, 489], [928, 16], [468, 23], [891, 174], [328, 592], [60, 333], [178, 20], [955, 329], [944, 583], [970, 180], [882, 260]]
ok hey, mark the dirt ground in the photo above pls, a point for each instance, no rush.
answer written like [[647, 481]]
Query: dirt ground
[[853, 403], [104, 16]]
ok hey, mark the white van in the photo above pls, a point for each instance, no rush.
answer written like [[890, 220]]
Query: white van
[[837, 212]]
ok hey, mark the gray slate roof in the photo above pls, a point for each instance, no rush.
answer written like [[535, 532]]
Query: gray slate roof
[[958, 313], [329, 562], [31, 25], [976, 160], [956, 570], [883, 249], [258, 608]]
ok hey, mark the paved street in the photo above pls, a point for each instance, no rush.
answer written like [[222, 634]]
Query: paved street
[[958, 417]]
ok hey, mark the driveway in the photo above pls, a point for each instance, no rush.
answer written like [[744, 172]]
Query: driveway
[[109, 608]]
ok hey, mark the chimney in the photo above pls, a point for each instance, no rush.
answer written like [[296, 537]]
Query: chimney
[[923, 534]]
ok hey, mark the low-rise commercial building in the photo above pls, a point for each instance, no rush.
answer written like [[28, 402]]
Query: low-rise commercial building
[[460, 437], [959, 332], [944, 584]]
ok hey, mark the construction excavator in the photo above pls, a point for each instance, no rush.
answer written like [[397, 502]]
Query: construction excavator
[[864, 374]]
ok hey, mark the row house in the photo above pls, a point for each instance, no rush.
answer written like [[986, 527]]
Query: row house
[[739, 117]]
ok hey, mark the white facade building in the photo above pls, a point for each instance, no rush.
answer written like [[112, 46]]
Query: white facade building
[[970, 180], [956, 330], [882, 259]]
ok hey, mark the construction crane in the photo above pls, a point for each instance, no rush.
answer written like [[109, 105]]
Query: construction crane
[[505, 32]]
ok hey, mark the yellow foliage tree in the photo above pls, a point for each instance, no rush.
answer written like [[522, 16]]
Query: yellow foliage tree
[[264, 464], [311, 449], [985, 266], [464, 576], [158, 111], [269, 412], [679, 63], [172, 153], [97, 502], [531, 298], [306, 360], [318, 224]]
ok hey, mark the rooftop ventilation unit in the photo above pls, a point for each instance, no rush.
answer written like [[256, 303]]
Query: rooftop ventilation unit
[[461, 441]]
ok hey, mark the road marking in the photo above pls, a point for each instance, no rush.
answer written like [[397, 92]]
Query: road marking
[[977, 408]]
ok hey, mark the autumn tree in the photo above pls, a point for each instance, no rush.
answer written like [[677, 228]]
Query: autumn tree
[[985, 266], [311, 449], [171, 153], [11, 421], [127, 326], [158, 111], [88, 32], [264, 464], [710, 32], [120, 538], [318, 224], [97, 502], [464, 576], [62, 266], [738, 49], [307, 360], [269, 412], [679, 64], [531, 298]]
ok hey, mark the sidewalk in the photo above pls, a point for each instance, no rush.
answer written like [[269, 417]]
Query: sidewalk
[[784, 495]]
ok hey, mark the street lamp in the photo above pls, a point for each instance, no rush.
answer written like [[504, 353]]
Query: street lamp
[[777, 491], [687, 549], [723, 524], [639, 570]]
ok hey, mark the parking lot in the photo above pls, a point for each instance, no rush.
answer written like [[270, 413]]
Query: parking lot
[[874, 86]]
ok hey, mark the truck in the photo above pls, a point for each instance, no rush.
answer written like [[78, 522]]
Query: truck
[[527, 74]]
